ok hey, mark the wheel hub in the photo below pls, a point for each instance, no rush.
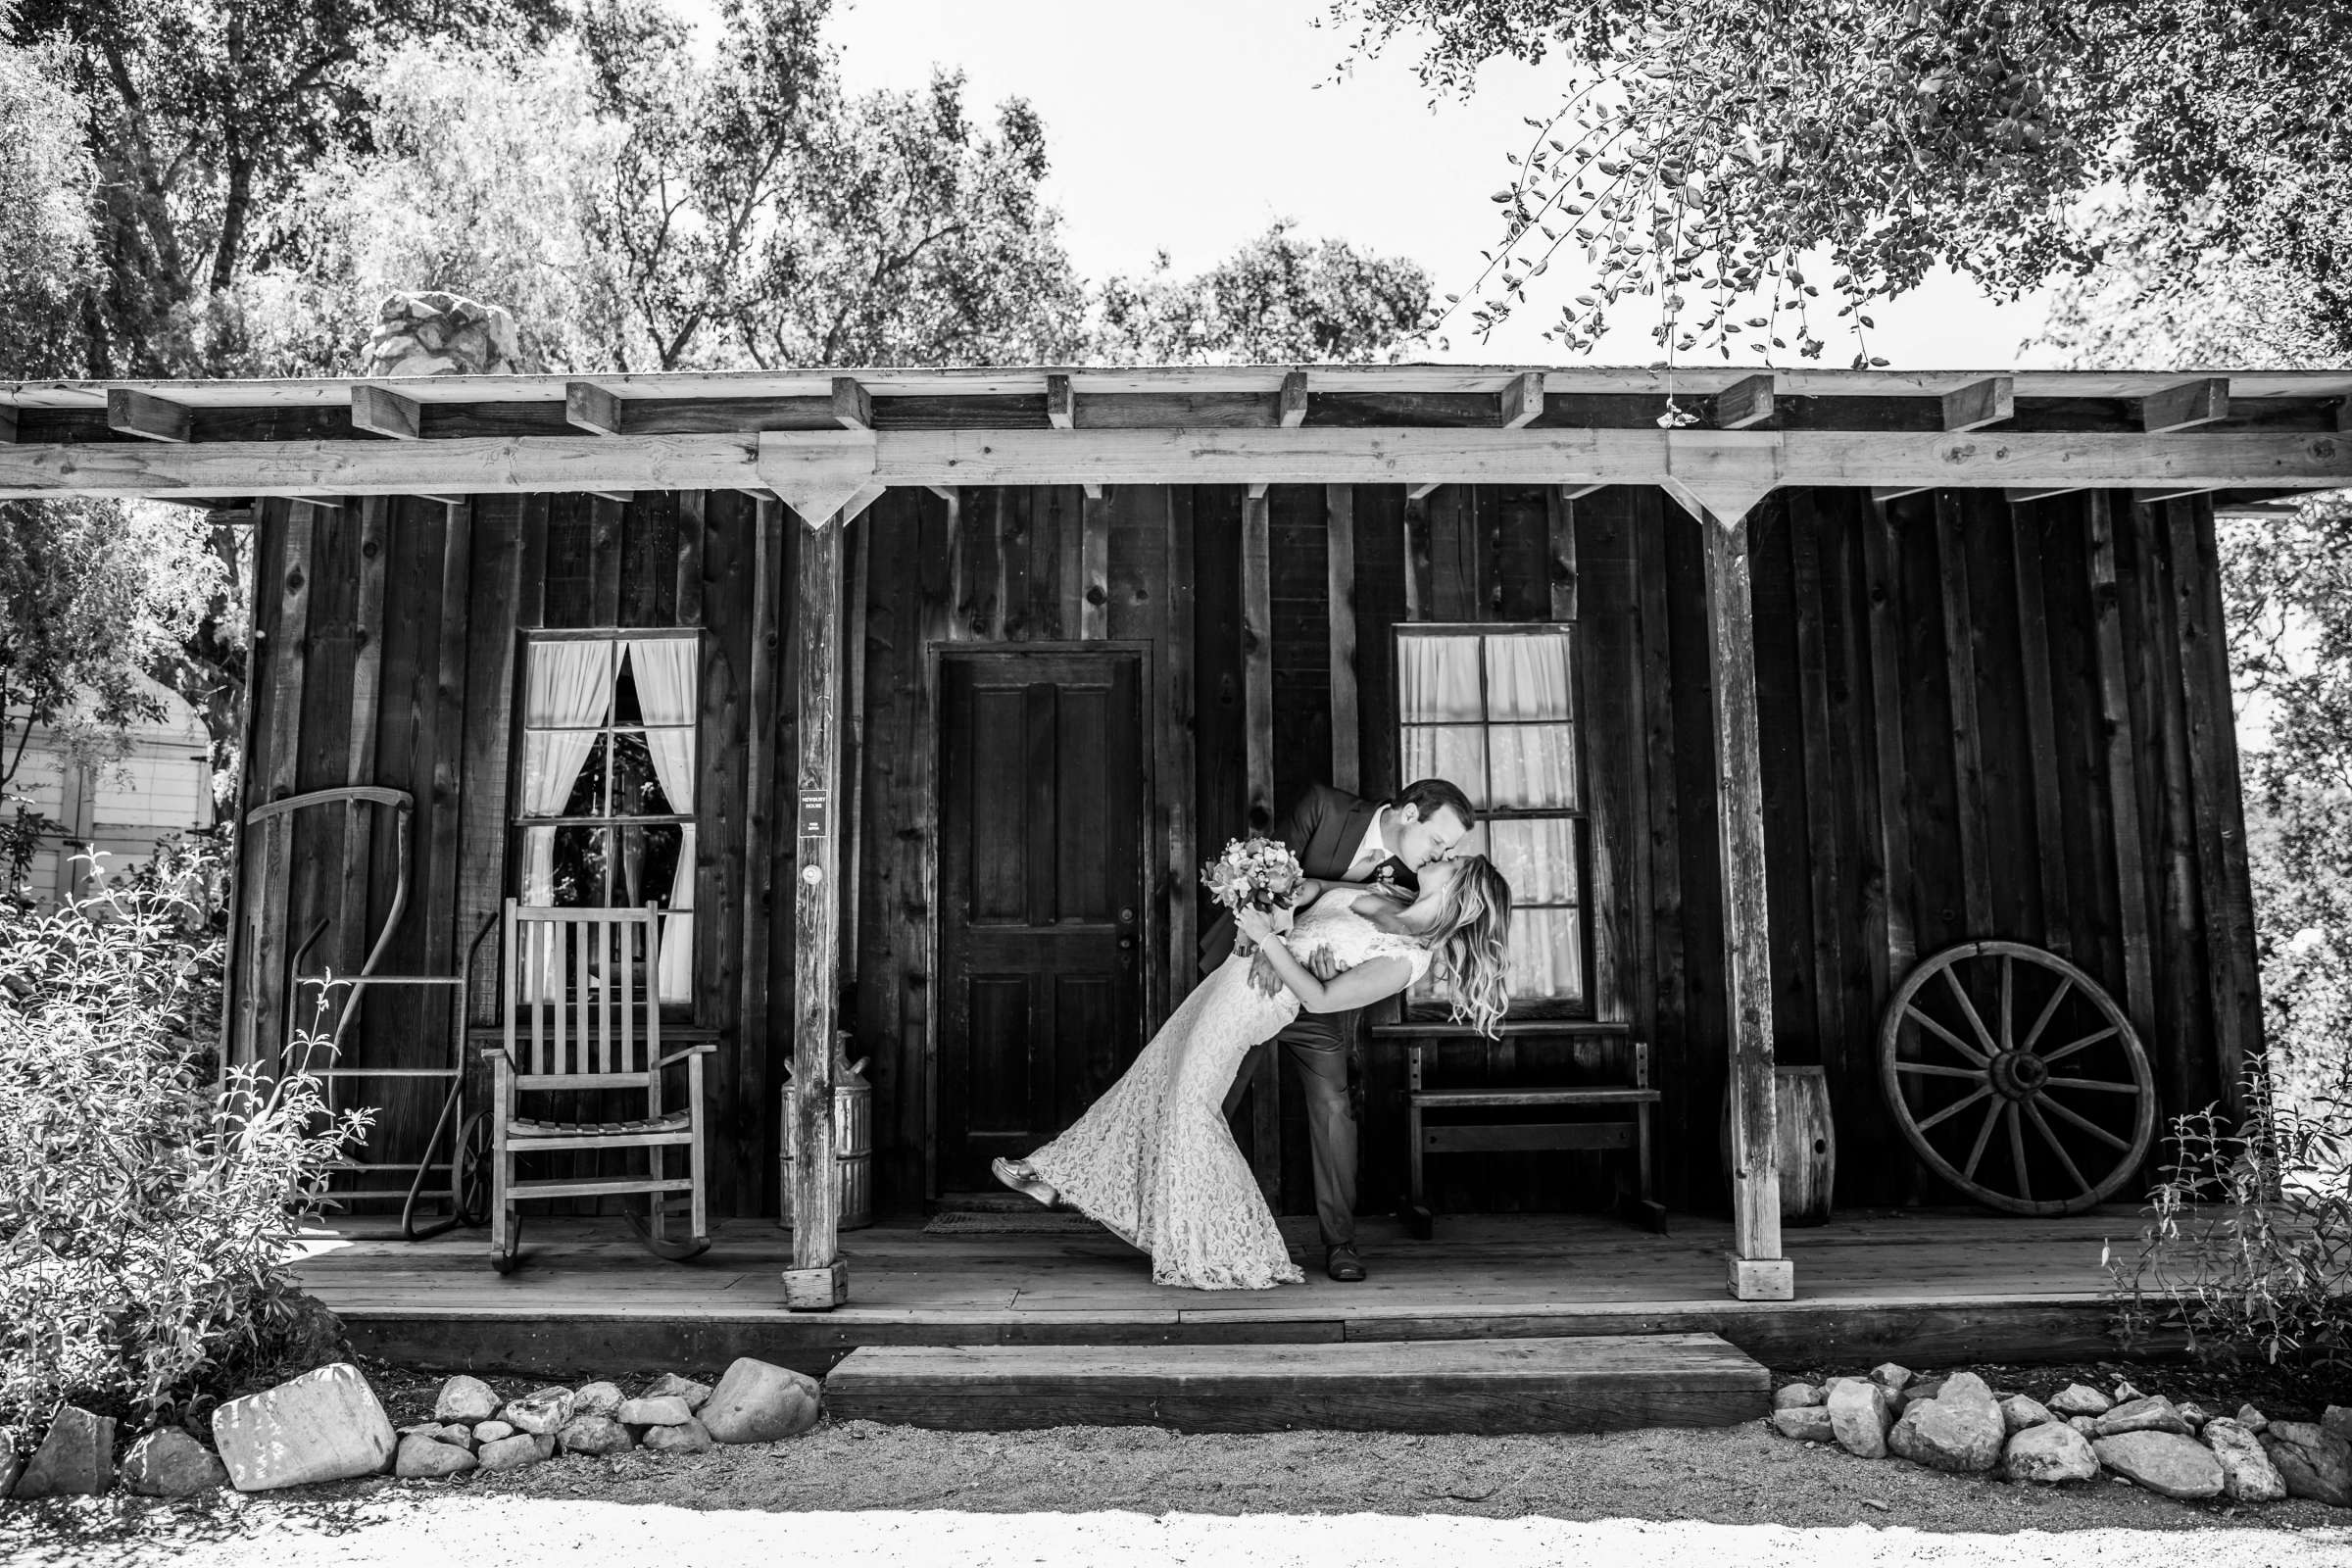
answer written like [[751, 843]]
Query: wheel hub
[[2019, 1074]]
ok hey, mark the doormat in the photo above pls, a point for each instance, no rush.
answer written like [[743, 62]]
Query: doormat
[[1031, 1221]]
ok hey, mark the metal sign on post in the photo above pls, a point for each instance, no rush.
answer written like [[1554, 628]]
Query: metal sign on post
[[814, 805]]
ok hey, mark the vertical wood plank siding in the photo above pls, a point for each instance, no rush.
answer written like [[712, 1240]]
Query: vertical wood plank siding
[[1976, 719]]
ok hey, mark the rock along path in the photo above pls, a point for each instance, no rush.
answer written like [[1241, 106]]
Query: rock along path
[[858, 1493]]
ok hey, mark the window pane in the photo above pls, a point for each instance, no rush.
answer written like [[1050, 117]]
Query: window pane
[[1457, 753], [1546, 955], [636, 783], [1527, 677], [580, 868], [625, 694], [557, 766], [649, 863], [1536, 859], [570, 685], [1534, 766], [1438, 681]]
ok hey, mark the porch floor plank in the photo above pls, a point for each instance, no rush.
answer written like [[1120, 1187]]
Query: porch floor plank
[[1917, 1283]]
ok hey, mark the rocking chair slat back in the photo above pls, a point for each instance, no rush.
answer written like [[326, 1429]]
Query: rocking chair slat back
[[582, 984]]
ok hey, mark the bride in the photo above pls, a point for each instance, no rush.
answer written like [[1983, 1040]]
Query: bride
[[1152, 1160]]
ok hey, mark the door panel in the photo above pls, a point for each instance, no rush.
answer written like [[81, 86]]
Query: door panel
[[1043, 795]]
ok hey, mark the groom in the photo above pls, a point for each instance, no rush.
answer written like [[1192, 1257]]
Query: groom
[[1339, 838]]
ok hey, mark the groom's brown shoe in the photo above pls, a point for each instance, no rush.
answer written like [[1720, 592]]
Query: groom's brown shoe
[[1342, 1264]]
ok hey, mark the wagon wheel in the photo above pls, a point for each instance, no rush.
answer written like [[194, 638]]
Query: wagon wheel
[[2070, 1097], [473, 1154]]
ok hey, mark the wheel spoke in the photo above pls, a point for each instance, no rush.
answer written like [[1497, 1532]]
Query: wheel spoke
[[2034, 1114], [2050, 1010], [2083, 1044], [1955, 1107], [1992, 1114], [1914, 1010], [2006, 1018], [1939, 1070], [2092, 1084], [2089, 1126], [1951, 980], [2017, 1152]]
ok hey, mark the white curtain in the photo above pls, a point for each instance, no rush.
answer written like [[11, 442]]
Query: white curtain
[[1533, 765], [665, 671], [569, 689], [568, 696], [1438, 699]]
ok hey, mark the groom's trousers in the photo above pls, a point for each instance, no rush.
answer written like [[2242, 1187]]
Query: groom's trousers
[[1317, 1045]]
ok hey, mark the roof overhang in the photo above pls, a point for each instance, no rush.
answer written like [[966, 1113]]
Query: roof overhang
[[827, 442]]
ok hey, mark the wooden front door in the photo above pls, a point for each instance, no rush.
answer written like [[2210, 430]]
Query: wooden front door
[[1042, 792]]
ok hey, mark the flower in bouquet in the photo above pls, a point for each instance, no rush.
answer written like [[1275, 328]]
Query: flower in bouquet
[[1258, 871]]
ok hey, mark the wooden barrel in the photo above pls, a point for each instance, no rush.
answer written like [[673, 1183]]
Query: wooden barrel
[[1807, 1144]]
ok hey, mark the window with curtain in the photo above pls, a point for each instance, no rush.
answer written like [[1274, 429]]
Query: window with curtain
[[606, 794], [1492, 709]]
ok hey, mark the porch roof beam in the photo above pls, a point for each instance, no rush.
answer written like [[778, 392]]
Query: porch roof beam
[[829, 470]]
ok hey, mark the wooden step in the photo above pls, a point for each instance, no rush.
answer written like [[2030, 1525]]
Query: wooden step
[[1595, 1384]]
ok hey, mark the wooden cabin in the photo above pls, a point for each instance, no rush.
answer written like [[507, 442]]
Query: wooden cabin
[[916, 698]]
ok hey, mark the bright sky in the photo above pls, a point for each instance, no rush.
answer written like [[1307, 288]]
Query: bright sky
[[1189, 126]]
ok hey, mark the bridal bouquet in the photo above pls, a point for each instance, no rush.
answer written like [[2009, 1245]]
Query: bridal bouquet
[[1257, 872]]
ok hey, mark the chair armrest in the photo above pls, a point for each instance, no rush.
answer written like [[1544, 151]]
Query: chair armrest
[[698, 1048]]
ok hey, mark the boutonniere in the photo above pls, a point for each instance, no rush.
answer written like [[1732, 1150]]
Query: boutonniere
[[1386, 876]]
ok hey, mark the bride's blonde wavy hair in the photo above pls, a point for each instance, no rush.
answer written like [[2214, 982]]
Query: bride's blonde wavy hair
[[1472, 938]]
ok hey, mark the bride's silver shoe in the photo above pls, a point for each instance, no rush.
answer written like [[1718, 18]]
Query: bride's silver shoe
[[1017, 1175]]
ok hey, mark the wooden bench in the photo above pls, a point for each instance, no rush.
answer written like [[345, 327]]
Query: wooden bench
[[1633, 1098]]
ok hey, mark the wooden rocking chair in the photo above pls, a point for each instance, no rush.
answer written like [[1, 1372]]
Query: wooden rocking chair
[[580, 1006]]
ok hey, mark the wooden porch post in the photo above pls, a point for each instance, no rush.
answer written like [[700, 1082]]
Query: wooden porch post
[[819, 1280], [1734, 479]]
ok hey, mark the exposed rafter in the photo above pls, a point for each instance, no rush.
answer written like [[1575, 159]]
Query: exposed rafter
[[1576, 492], [1883, 493], [1981, 403], [1062, 404], [853, 405], [1257, 490], [1290, 402], [590, 407], [1743, 404], [1523, 400], [380, 410], [134, 413], [2186, 406], [1423, 490], [2018, 494]]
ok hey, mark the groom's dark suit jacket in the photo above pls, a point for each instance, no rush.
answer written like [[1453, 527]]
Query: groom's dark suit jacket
[[1324, 828]]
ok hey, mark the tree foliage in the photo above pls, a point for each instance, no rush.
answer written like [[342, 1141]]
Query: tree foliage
[[97, 599], [202, 115], [45, 179], [642, 205], [1700, 149], [1276, 299]]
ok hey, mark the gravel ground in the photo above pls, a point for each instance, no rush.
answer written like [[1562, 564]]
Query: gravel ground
[[935, 1496]]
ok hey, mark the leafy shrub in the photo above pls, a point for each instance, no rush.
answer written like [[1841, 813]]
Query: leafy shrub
[[148, 1203], [2248, 1246]]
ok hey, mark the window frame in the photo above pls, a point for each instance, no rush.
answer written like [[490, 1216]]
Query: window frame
[[519, 821], [1585, 1006]]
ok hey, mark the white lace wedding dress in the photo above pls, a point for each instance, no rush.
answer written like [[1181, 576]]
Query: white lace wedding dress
[[1154, 1160]]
